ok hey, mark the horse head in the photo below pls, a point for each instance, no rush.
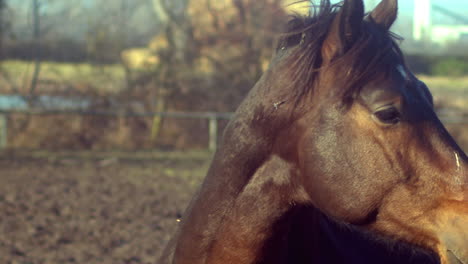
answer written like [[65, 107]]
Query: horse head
[[340, 124]]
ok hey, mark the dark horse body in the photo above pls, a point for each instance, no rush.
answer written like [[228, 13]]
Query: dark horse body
[[335, 156]]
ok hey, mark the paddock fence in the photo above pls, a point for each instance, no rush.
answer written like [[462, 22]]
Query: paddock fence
[[212, 119]]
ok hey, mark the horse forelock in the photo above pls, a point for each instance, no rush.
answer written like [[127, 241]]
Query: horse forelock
[[375, 52]]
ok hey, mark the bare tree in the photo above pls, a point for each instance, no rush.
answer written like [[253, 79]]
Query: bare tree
[[177, 27], [176, 59], [3, 24], [37, 40]]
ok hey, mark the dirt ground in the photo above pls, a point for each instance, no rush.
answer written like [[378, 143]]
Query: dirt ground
[[96, 207], [102, 210]]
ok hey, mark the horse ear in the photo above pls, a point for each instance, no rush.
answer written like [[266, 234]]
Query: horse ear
[[385, 13], [344, 30]]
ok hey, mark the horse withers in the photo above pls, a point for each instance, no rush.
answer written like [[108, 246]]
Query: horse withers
[[336, 148]]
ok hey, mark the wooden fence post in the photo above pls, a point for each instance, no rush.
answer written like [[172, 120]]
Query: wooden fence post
[[213, 132], [3, 131]]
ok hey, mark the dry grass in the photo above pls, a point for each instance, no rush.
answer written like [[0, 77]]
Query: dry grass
[[15, 77]]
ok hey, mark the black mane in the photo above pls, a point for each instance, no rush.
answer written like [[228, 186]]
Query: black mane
[[304, 36]]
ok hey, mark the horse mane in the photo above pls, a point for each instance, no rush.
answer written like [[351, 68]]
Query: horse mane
[[304, 36]]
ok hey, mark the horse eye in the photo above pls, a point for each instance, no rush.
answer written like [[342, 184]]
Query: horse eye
[[389, 116]]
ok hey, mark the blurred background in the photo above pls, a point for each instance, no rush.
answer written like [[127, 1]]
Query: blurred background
[[110, 110], [100, 75]]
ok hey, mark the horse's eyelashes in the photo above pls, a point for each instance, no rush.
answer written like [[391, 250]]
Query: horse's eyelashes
[[388, 116]]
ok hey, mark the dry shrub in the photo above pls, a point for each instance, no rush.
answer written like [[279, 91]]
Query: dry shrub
[[74, 132], [183, 133], [38, 132]]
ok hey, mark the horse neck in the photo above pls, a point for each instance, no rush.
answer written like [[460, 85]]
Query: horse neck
[[246, 190], [232, 220], [257, 212]]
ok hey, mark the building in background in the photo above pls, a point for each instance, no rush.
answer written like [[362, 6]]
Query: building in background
[[424, 28]]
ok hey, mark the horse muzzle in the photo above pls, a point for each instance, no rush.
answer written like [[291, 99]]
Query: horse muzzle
[[453, 236], [453, 259]]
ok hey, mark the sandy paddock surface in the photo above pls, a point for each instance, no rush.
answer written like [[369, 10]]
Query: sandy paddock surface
[[92, 211], [98, 208]]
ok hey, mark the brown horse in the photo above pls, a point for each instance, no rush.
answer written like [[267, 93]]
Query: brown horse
[[336, 155]]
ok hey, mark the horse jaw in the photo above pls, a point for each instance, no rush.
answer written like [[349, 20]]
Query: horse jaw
[[453, 218], [441, 226], [444, 233]]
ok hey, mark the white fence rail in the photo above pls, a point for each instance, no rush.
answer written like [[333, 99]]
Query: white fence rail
[[212, 117]]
